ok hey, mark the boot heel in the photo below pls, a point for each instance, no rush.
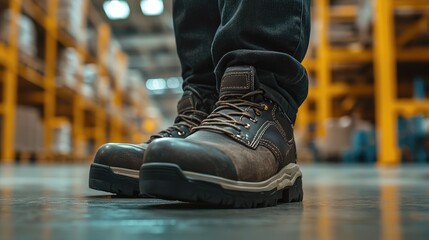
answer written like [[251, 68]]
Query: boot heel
[[293, 193]]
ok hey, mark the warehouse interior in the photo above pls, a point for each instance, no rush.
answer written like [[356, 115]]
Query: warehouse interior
[[77, 74]]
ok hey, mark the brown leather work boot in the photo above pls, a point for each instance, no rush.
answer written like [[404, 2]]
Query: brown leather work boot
[[243, 155], [116, 165]]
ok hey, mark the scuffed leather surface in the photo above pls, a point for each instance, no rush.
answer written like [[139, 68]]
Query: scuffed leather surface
[[121, 155], [191, 156], [251, 165]]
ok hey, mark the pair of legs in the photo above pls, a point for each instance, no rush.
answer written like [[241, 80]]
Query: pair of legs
[[271, 35], [232, 142]]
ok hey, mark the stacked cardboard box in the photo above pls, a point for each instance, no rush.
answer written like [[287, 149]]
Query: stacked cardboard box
[[337, 139], [68, 68], [134, 86], [70, 16], [90, 76], [28, 130], [104, 90], [364, 21], [27, 32], [62, 143], [121, 72], [112, 60], [91, 39]]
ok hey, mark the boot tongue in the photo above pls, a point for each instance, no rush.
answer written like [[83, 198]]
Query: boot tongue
[[186, 103], [190, 102], [239, 80]]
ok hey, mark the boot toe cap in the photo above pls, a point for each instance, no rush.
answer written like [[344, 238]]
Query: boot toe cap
[[122, 155], [191, 156]]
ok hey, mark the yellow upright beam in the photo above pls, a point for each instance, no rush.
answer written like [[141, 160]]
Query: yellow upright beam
[[3, 54], [101, 116], [78, 126], [115, 129], [78, 121], [302, 116], [385, 82], [323, 66], [50, 72], [10, 86], [103, 46]]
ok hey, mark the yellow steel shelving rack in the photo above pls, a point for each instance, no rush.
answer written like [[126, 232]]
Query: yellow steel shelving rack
[[319, 64], [388, 49], [10, 62], [89, 118]]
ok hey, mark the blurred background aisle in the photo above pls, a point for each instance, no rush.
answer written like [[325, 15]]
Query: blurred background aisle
[[76, 74]]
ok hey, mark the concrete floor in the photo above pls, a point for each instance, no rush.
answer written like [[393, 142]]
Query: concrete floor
[[341, 202]]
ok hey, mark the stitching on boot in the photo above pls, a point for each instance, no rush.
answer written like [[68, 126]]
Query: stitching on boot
[[260, 132], [270, 145], [278, 125]]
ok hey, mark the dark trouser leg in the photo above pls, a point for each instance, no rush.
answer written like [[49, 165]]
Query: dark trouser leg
[[272, 36], [195, 24]]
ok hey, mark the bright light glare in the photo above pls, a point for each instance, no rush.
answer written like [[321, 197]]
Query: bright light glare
[[173, 83], [156, 84], [152, 7], [116, 9]]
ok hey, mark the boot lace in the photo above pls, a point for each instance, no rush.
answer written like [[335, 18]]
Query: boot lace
[[184, 121], [230, 111]]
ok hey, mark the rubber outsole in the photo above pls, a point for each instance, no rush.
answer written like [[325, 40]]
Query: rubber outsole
[[102, 178], [169, 182]]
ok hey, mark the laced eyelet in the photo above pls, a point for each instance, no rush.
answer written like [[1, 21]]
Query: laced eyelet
[[247, 126], [181, 133], [265, 106], [254, 120], [238, 136], [257, 112]]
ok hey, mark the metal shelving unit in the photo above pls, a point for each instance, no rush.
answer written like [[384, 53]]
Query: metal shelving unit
[[322, 61], [389, 47], [389, 50], [90, 119]]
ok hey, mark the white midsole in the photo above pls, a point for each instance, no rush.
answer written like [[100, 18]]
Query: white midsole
[[284, 178], [126, 172]]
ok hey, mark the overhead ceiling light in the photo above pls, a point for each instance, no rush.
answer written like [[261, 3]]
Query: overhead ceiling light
[[173, 82], [152, 7], [154, 84], [116, 9]]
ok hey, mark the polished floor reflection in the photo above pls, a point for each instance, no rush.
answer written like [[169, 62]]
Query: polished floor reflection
[[341, 202]]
